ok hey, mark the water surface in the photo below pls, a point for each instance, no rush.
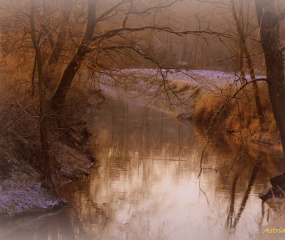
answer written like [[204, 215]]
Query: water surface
[[146, 185], [150, 183]]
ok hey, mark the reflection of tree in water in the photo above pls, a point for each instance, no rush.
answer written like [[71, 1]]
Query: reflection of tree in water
[[240, 178], [86, 213], [244, 173], [232, 218]]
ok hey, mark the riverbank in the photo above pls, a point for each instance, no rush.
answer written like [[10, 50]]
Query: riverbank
[[22, 188], [203, 96], [235, 123]]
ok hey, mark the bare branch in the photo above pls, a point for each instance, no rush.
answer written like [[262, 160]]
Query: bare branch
[[109, 12], [127, 15], [153, 9], [224, 105], [212, 2], [247, 83], [116, 32]]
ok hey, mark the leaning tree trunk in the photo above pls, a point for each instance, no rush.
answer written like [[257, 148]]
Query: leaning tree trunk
[[70, 71], [60, 93], [269, 21]]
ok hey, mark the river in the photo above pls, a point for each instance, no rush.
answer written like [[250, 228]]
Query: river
[[148, 184]]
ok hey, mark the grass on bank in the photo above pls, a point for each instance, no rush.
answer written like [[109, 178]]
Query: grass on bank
[[236, 121]]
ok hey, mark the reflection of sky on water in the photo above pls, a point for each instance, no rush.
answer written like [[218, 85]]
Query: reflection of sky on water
[[147, 181], [146, 185]]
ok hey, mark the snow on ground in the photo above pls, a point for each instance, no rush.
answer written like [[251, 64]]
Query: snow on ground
[[166, 89], [209, 79], [21, 194], [20, 189]]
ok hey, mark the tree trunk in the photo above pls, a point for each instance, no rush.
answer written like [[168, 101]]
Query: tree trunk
[[70, 71], [241, 67], [244, 49], [46, 163], [269, 22], [60, 93]]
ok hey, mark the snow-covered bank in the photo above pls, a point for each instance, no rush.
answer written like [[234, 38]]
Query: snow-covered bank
[[208, 79], [22, 192], [170, 90], [21, 189]]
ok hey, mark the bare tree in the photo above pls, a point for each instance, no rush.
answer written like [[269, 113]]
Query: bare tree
[[116, 38]]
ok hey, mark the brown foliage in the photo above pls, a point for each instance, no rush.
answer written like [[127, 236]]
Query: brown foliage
[[238, 117]]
